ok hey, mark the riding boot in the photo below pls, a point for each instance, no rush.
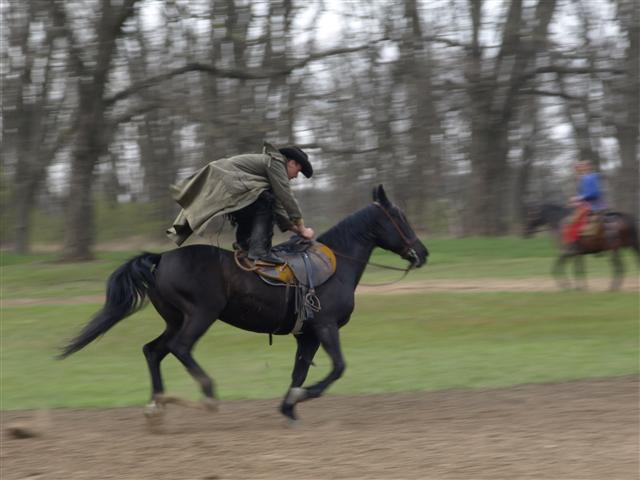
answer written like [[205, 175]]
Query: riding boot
[[243, 235], [260, 239]]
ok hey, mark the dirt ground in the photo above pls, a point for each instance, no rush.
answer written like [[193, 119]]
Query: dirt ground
[[576, 430], [631, 284]]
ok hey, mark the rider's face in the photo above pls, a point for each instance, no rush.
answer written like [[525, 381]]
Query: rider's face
[[293, 168]]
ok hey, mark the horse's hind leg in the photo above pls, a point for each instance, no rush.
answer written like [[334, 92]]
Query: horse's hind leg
[[157, 349], [618, 270], [180, 346]]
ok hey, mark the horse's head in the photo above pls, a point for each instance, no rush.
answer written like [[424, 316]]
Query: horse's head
[[393, 232], [534, 218]]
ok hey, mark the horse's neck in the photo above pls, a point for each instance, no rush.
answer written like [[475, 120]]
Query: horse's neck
[[353, 261], [554, 215], [353, 248]]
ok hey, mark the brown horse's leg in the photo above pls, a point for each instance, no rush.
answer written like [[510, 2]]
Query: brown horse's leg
[[559, 273], [579, 273], [618, 270], [308, 345]]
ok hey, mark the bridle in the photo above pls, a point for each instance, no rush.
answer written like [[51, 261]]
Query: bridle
[[409, 243]]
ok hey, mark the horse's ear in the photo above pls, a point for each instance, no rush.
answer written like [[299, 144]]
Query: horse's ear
[[380, 196]]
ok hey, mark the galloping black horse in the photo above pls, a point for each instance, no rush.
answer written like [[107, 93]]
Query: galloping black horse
[[191, 287], [617, 231]]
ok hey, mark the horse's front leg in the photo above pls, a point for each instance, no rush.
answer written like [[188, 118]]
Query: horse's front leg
[[579, 273], [558, 271], [308, 345], [327, 333], [618, 270]]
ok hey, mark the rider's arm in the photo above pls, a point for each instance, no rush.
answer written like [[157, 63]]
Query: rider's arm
[[279, 181]]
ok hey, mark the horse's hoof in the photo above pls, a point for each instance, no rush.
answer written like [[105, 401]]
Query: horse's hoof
[[296, 394], [210, 404], [293, 423], [288, 410], [153, 411]]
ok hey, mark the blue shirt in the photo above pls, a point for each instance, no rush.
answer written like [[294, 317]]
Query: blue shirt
[[589, 190]]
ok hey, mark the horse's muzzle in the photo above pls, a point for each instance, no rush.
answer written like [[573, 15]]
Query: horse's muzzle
[[415, 258]]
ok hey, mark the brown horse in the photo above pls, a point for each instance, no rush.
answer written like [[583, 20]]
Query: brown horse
[[613, 231]]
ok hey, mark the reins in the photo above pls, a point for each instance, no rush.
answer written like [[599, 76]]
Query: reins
[[408, 244], [387, 267]]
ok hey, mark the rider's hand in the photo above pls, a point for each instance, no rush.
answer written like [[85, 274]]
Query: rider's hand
[[574, 202], [307, 232]]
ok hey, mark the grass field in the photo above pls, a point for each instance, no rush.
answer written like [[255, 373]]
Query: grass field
[[424, 341], [41, 276]]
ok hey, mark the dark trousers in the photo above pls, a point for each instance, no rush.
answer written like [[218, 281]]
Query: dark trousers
[[255, 220]]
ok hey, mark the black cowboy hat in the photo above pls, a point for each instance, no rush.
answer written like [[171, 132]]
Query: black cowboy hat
[[296, 153]]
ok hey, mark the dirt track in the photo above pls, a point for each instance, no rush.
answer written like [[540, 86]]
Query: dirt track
[[631, 284], [576, 430]]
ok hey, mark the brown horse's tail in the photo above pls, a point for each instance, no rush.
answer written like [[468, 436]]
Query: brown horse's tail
[[633, 233], [126, 292]]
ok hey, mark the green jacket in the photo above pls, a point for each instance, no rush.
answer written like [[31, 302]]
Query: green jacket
[[230, 184]]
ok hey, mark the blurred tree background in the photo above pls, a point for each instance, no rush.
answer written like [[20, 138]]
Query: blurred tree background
[[465, 109]]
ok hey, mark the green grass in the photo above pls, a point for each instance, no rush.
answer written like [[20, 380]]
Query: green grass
[[139, 218], [393, 343], [41, 276]]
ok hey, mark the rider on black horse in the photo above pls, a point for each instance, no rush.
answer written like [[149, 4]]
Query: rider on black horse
[[253, 191], [589, 200]]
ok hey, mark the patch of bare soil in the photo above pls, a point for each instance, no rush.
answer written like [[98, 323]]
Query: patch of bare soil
[[575, 430], [631, 284]]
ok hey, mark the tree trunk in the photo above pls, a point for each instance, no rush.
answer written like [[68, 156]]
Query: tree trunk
[[628, 131], [91, 126], [489, 144], [79, 234]]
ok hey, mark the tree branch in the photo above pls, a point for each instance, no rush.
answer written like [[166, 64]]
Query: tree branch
[[241, 74], [549, 93], [565, 70], [446, 41]]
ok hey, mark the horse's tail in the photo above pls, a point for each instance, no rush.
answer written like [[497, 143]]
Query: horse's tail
[[126, 292], [633, 233]]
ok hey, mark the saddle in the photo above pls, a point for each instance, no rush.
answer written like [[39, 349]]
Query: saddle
[[308, 264]]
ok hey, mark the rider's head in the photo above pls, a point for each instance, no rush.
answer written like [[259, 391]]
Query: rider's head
[[297, 161], [583, 167]]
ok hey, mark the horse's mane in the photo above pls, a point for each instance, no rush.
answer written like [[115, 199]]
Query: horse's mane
[[553, 207], [357, 224]]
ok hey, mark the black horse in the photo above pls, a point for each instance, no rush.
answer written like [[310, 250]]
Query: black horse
[[191, 287], [616, 230]]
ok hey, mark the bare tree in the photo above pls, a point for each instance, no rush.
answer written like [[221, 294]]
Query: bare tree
[[494, 95], [626, 120], [37, 122], [92, 75]]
